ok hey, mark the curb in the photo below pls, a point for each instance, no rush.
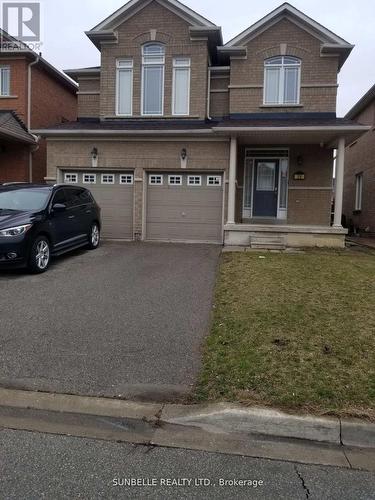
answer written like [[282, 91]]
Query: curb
[[217, 419]]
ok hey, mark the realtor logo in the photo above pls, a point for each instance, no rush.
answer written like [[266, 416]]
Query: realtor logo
[[22, 20]]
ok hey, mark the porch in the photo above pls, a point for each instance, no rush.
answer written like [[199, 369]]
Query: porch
[[280, 187]]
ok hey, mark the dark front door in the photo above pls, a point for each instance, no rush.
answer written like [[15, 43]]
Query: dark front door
[[266, 181]]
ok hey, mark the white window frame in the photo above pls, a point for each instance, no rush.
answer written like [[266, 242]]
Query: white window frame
[[358, 192], [181, 63], [89, 182], [170, 180], [147, 61], [194, 184], [103, 181], [4, 69], [152, 180], [124, 65], [214, 178], [282, 75], [126, 179], [68, 178]]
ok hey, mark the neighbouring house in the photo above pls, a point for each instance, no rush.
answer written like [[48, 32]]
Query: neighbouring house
[[183, 138], [33, 94], [359, 179]]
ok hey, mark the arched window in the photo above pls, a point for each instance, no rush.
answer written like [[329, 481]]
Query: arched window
[[153, 61], [282, 76]]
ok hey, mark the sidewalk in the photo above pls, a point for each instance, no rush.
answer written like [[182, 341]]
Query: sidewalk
[[224, 428]]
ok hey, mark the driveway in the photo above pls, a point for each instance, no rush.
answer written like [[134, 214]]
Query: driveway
[[128, 319]]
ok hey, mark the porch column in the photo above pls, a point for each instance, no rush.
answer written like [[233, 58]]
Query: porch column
[[232, 181], [339, 189]]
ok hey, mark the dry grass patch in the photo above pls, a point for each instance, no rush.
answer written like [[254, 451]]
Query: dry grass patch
[[294, 331]]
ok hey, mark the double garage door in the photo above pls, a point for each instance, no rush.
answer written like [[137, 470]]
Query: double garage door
[[179, 207]]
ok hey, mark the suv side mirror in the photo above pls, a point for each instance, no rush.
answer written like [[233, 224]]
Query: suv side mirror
[[59, 207]]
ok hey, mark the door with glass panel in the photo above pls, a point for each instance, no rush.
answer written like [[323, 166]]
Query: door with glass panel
[[266, 181]]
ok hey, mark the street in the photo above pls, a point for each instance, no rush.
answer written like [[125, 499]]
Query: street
[[35, 465]]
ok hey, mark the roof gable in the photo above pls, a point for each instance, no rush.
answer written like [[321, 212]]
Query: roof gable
[[131, 8]]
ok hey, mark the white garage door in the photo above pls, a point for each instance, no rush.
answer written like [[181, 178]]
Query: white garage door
[[185, 207], [113, 191]]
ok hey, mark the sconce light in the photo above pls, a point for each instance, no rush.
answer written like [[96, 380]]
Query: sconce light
[[299, 160], [94, 157], [183, 154]]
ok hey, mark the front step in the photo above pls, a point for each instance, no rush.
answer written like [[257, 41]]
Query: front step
[[262, 242]]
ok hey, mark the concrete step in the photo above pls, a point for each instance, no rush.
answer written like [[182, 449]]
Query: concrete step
[[263, 242]]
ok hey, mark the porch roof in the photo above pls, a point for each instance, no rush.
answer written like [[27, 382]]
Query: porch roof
[[294, 130], [13, 129]]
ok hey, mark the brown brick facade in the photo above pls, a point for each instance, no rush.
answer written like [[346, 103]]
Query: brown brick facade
[[360, 158]]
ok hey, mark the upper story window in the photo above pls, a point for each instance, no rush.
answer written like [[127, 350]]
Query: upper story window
[[153, 63], [124, 87], [4, 80], [181, 86], [282, 77]]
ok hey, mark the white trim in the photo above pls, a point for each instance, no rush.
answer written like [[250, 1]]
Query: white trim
[[283, 10], [88, 182], [174, 176], [155, 177], [130, 69], [190, 177], [216, 177], [130, 176], [175, 69], [72, 175], [107, 181]]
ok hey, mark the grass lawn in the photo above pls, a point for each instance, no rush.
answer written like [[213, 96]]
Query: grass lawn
[[294, 331]]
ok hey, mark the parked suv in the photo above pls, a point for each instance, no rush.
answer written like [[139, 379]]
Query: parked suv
[[40, 221]]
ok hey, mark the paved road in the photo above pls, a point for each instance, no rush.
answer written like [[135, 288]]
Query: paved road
[[126, 319], [37, 466]]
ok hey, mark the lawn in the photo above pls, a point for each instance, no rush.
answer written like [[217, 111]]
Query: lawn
[[294, 331]]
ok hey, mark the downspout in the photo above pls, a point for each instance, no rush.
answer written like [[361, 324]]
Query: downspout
[[32, 150], [208, 93]]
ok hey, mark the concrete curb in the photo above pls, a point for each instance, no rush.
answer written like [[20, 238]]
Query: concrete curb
[[217, 419]]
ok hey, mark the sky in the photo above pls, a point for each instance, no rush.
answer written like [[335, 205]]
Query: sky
[[65, 44]]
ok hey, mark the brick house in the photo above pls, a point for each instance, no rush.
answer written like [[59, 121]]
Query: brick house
[[183, 138], [33, 94], [359, 179]]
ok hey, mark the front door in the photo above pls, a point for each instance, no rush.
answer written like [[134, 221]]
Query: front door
[[266, 181]]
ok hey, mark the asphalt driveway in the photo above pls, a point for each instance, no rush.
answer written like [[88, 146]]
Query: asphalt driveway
[[128, 319]]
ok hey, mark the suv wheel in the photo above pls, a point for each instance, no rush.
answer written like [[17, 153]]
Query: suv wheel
[[94, 236], [40, 255]]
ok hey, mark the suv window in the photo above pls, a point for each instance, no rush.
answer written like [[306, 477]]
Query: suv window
[[77, 196], [59, 197]]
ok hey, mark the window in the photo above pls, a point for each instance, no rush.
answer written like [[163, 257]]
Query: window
[[156, 179], [124, 87], [71, 178], [283, 184], [153, 61], [126, 179], [4, 80], [77, 196], [214, 180], [194, 180], [108, 178], [282, 80], [266, 176], [175, 180], [181, 86], [358, 191], [89, 178]]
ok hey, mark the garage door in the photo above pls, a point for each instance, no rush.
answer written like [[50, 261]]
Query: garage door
[[185, 207], [113, 191]]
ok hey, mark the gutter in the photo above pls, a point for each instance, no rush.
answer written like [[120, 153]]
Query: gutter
[[67, 132], [32, 150]]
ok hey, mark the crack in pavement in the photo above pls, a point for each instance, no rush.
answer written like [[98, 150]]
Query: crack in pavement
[[300, 477]]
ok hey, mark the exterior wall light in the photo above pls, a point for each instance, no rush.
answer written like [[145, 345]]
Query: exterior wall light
[[94, 157], [299, 160], [183, 158]]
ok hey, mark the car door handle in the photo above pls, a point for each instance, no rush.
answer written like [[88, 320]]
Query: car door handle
[[71, 217]]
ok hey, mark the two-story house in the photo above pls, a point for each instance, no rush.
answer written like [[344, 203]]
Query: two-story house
[[183, 138], [33, 94], [359, 179]]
